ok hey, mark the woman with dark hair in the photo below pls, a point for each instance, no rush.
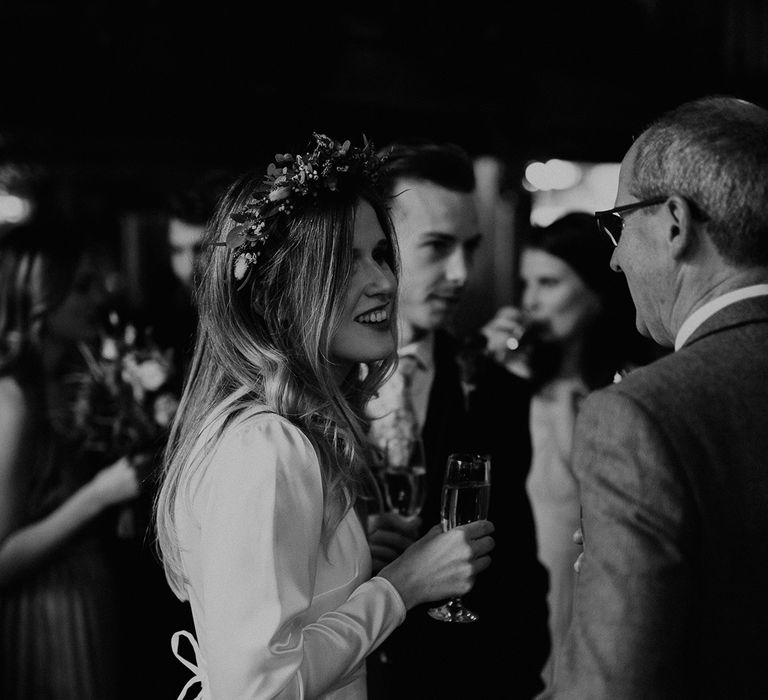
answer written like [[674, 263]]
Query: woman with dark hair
[[574, 333], [57, 610], [261, 512]]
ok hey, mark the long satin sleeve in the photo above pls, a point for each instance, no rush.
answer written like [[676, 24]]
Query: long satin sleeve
[[260, 512]]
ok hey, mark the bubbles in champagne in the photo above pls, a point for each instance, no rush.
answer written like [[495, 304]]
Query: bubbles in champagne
[[465, 502]]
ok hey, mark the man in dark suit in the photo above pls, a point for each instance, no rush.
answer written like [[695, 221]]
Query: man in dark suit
[[672, 461], [463, 401]]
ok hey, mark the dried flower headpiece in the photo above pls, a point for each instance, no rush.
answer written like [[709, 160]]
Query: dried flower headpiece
[[289, 181]]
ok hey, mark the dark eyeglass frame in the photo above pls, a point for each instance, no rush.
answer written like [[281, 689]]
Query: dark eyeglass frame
[[611, 222]]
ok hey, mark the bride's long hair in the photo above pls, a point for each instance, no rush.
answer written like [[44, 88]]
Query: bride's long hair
[[269, 336]]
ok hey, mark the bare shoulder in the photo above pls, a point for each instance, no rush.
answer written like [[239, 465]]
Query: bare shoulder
[[14, 418], [14, 405]]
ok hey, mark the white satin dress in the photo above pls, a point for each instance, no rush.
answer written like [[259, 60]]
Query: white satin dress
[[276, 614]]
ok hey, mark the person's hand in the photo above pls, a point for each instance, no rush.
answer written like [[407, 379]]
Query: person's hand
[[389, 535], [115, 483], [578, 538], [441, 564], [507, 325]]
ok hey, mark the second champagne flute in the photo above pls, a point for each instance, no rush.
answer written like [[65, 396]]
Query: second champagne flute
[[466, 496], [404, 476]]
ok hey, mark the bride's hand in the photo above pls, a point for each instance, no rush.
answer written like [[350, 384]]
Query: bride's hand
[[442, 564]]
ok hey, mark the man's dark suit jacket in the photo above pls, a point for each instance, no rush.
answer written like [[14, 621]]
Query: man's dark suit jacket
[[505, 650], [672, 598]]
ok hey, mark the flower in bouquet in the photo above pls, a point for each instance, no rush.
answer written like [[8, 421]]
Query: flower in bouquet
[[123, 404]]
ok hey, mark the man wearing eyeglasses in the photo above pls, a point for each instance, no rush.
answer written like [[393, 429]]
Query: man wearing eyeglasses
[[671, 598]]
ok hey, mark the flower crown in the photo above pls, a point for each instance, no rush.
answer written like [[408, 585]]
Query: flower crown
[[289, 182]]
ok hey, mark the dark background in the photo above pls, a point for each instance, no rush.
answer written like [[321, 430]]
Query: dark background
[[108, 106], [127, 99]]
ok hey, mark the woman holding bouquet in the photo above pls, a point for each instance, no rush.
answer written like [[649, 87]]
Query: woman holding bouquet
[[261, 510], [56, 606]]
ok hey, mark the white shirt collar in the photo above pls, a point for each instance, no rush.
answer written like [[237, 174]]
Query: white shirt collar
[[422, 350], [713, 306]]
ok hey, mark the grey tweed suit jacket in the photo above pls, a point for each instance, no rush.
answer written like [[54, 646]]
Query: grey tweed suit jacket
[[672, 598]]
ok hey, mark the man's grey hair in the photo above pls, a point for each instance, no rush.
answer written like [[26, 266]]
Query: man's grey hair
[[713, 152]]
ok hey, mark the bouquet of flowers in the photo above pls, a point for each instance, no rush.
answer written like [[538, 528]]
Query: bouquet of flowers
[[121, 399], [123, 404]]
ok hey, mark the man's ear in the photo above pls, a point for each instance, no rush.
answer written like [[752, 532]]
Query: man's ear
[[681, 231]]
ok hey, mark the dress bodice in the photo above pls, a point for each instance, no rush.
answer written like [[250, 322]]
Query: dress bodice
[[279, 610]]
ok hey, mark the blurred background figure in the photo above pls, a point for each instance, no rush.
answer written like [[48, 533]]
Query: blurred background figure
[[58, 607], [574, 333], [150, 611], [170, 309]]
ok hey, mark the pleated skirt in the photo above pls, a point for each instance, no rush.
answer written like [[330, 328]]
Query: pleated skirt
[[58, 636]]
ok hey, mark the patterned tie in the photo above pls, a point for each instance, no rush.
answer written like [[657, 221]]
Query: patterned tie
[[392, 412]]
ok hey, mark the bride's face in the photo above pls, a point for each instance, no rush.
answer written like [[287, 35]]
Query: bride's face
[[366, 333]]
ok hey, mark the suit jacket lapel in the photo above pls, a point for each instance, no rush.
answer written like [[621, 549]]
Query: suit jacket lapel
[[444, 423], [446, 388]]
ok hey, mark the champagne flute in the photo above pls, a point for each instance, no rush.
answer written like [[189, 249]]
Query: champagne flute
[[404, 476], [466, 495]]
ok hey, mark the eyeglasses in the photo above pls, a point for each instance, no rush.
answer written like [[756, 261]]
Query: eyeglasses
[[611, 222]]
